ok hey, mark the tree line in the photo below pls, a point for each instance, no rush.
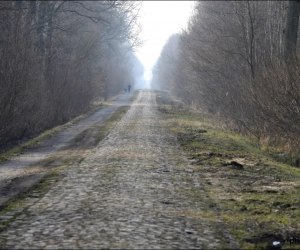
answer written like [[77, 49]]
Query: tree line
[[57, 57], [238, 60]]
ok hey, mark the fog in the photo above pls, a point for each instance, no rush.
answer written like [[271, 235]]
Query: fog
[[159, 20], [141, 83], [141, 79]]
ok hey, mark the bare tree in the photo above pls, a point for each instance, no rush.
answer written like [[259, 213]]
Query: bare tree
[[54, 57], [291, 30], [230, 63]]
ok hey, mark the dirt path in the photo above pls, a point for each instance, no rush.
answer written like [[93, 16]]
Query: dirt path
[[22, 171], [134, 190]]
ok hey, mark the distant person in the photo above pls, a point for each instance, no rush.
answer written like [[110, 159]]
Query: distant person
[[129, 87]]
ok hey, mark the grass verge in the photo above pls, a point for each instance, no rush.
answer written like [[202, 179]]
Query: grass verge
[[255, 196], [104, 130], [110, 123], [48, 133], [22, 202]]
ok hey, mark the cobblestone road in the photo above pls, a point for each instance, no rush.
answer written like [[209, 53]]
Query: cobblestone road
[[130, 192]]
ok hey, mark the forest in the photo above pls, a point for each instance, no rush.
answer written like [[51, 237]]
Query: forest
[[58, 57], [237, 60]]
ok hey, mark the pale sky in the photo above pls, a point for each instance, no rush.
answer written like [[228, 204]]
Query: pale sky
[[159, 20]]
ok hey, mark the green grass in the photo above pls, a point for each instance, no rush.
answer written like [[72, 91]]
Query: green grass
[[80, 136], [110, 123], [18, 205], [259, 202]]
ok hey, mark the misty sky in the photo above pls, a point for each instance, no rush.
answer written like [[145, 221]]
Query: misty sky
[[159, 20]]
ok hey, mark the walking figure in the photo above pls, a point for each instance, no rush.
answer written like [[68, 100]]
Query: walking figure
[[129, 87]]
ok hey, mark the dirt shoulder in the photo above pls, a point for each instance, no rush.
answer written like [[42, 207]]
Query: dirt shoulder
[[23, 170], [256, 196]]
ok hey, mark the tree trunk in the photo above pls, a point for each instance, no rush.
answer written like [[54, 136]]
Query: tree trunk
[[291, 30]]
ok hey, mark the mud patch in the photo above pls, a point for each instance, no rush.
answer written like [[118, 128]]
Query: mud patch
[[17, 186], [268, 240]]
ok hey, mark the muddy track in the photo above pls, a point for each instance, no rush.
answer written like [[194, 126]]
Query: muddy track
[[21, 172], [134, 190]]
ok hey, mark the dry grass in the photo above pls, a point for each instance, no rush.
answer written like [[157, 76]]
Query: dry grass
[[257, 197]]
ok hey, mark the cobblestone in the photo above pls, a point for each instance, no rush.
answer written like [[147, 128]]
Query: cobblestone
[[128, 193]]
